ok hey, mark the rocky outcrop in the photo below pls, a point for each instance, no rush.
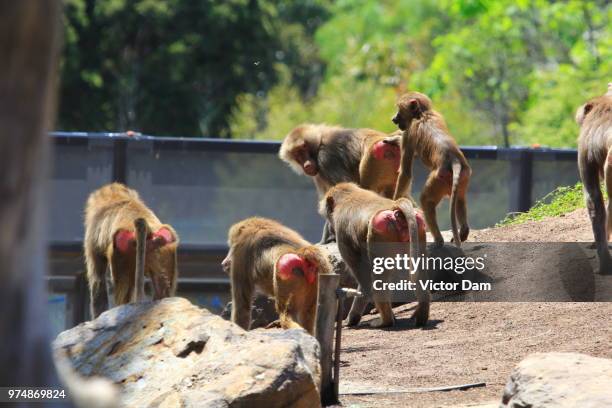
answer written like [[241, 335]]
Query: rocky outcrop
[[171, 353], [560, 380]]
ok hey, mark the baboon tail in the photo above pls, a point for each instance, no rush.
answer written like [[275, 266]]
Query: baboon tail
[[456, 169], [142, 228], [418, 251], [417, 248]]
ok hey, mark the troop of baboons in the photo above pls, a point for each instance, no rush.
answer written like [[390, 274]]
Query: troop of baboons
[[364, 179]]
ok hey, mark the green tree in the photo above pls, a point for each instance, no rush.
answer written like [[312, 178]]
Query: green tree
[[174, 67]]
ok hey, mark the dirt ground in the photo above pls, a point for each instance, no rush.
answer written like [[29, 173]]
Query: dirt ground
[[468, 342]]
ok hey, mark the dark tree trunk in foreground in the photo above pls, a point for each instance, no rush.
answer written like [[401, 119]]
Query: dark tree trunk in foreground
[[29, 31]]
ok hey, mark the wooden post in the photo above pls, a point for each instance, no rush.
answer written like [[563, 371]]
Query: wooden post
[[326, 316], [521, 179], [342, 294]]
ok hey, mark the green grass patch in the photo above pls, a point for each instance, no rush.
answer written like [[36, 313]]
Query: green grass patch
[[560, 201]]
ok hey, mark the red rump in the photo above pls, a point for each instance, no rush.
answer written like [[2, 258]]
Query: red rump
[[387, 151], [290, 265], [393, 224], [125, 240], [163, 236]]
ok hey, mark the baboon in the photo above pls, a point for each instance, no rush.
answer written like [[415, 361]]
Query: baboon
[[425, 134], [595, 162], [276, 260], [122, 233], [332, 155], [361, 219]]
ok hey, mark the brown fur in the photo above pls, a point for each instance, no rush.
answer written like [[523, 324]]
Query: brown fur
[[595, 162], [256, 244], [351, 209], [340, 155], [426, 135], [110, 209], [336, 155]]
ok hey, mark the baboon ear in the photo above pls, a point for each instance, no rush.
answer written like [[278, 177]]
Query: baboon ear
[[415, 107], [582, 112]]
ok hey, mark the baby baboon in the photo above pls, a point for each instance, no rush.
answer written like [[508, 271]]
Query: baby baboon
[[361, 219], [426, 135], [595, 161], [276, 260], [332, 155], [118, 227]]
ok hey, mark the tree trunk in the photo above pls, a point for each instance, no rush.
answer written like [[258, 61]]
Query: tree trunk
[[29, 34]]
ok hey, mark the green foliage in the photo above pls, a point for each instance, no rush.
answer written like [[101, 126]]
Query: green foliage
[[561, 201], [177, 66], [502, 72]]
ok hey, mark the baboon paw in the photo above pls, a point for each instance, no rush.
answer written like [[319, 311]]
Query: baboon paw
[[438, 244], [274, 325], [381, 324], [605, 268], [353, 321], [463, 233], [421, 315]]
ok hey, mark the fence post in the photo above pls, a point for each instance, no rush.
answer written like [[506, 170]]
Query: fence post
[[521, 179], [120, 161], [80, 299], [326, 317]]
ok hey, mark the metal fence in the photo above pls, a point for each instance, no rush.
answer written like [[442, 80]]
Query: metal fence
[[202, 186]]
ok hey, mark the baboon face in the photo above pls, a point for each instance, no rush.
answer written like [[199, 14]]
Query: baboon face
[[410, 106], [399, 120], [307, 161]]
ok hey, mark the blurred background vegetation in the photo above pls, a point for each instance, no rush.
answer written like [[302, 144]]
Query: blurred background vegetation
[[502, 72]]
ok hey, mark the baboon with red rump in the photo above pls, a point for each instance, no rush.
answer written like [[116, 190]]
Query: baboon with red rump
[[594, 163], [332, 155], [366, 224], [267, 256], [123, 234], [425, 134]]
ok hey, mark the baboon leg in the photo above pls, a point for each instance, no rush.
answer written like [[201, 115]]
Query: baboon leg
[[357, 308], [387, 319], [432, 193], [464, 228], [597, 213], [382, 301], [308, 316], [328, 234], [608, 180], [241, 304], [96, 275]]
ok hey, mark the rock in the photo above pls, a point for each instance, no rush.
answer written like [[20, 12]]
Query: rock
[[171, 353], [560, 380]]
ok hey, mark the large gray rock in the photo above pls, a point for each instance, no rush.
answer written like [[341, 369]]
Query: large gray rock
[[560, 380], [171, 353]]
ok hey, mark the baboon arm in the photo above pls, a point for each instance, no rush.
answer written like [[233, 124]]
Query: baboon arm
[[403, 188], [286, 322]]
